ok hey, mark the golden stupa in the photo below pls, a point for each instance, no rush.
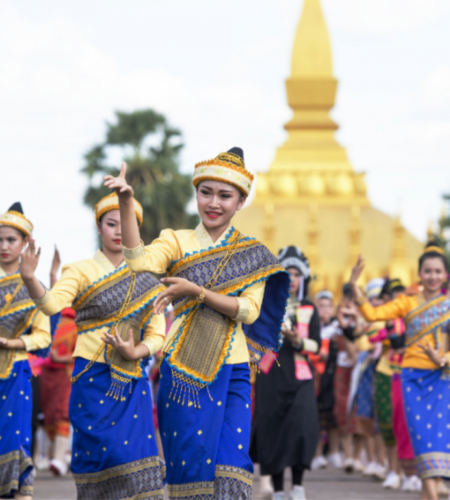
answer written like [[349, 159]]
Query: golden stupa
[[311, 196]]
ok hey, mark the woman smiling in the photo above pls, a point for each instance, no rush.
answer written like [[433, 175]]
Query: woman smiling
[[425, 364], [229, 293]]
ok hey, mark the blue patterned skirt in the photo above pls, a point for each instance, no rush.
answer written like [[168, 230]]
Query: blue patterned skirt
[[365, 395], [114, 452], [426, 395], [15, 432], [206, 449]]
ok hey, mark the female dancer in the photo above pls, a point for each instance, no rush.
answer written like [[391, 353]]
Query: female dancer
[[286, 420], [114, 453], [22, 329], [229, 294], [424, 375]]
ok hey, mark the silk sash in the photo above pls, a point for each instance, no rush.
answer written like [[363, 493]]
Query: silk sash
[[429, 317], [203, 343], [17, 312], [124, 300]]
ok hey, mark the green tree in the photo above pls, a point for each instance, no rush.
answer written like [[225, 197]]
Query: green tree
[[151, 149]]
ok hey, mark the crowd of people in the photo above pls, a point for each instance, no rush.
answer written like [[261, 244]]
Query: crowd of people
[[374, 396], [228, 361]]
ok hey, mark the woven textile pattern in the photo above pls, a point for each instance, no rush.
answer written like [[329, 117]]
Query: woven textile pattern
[[426, 395], [383, 404], [16, 312], [427, 318], [365, 394], [139, 479], [15, 431], [206, 448], [114, 448], [246, 262], [107, 301], [239, 262]]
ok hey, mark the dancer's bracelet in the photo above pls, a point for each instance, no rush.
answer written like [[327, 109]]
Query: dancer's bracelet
[[201, 296]]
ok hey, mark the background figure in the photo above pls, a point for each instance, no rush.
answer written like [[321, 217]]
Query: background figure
[[110, 395], [55, 382], [350, 324], [22, 329], [363, 388], [425, 386], [55, 389], [285, 428], [324, 369]]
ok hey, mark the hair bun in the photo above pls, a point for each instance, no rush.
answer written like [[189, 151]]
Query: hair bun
[[433, 247]]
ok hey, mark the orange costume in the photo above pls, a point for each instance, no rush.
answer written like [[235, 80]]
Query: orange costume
[[55, 383]]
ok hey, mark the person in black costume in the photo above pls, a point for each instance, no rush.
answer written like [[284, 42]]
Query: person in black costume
[[285, 428]]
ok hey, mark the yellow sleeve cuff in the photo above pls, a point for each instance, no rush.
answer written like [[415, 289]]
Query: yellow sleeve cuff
[[150, 345], [243, 309], [43, 300], [29, 344], [360, 301], [310, 345], [133, 253]]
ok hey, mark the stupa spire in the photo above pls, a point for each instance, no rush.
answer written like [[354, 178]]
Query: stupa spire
[[311, 57], [311, 165]]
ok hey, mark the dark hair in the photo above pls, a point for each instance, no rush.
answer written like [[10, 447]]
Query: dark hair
[[392, 286], [347, 291], [432, 254]]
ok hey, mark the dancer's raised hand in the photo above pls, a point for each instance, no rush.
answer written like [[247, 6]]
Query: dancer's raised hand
[[357, 270], [119, 184], [29, 260], [56, 263], [356, 273]]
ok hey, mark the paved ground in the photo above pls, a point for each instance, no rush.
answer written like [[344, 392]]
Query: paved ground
[[323, 485]]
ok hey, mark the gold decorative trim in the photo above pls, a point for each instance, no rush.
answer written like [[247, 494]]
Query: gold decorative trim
[[192, 491], [111, 202], [17, 462], [148, 473], [17, 221], [436, 464], [226, 167], [232, 472]]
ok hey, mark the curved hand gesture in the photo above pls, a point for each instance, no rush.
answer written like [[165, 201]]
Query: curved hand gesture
[[433, 354], [56, 263], [119, 184], [29, 260], [357, 270], [125, 349], [179, 287]]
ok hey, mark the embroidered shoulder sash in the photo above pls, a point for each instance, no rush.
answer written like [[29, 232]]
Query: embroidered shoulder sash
[[427, 318], [17, 312], [124, 300], [203, 342]]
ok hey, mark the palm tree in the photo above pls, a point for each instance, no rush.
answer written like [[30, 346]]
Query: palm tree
[[151, 149]]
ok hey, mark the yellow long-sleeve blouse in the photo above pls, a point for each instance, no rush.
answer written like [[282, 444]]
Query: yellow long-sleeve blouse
[[173, 245], [40, 336], [399, 308], [74, 279]]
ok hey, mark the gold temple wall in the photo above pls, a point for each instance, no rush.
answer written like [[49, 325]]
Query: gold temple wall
[[311, 196]]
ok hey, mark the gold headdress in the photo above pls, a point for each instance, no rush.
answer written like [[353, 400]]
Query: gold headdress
[[227, 167], [433, 248], [14, 218], [111, 202]]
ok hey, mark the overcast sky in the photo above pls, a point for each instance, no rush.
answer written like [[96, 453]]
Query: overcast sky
[[217, 70]]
